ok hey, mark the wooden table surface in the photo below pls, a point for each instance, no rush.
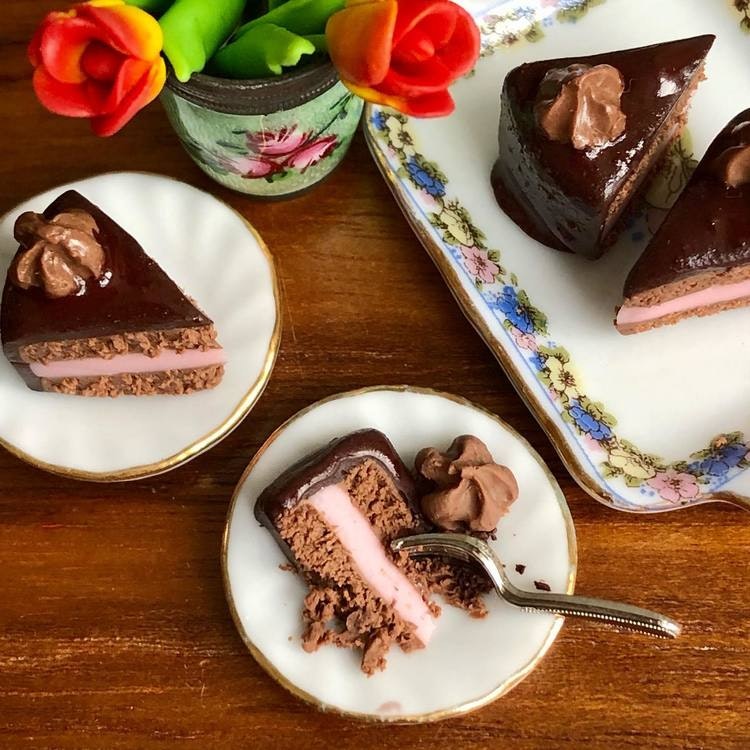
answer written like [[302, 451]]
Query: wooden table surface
[[114, 630]]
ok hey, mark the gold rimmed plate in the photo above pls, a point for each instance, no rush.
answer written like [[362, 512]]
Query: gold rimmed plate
[[219, 260], [469, 662]]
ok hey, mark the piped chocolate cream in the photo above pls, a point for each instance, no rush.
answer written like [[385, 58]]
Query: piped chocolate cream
[[698, 262], [580, 105], [578, 138], [59, 255], [470, 492]]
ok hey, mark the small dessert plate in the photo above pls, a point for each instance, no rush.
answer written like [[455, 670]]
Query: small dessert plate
[[219, 260], [469, 662], [649, 422]]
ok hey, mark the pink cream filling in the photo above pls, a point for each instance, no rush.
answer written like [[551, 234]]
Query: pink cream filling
[[356, 534], [709, 296], [122, 364]]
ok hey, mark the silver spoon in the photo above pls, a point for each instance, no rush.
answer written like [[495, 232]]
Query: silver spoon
[[470, 549]]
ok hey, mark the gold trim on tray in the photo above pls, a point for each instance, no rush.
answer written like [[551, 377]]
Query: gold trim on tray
[[474, 316], [457, 710], [210, 439]]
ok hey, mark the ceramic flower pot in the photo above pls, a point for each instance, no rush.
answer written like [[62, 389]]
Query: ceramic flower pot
[[267, 137]]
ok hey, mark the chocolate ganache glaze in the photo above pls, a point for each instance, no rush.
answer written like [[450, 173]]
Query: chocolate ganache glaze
[[732, 165], [469, 490], [138, 295], [708, 228], [570, 196]]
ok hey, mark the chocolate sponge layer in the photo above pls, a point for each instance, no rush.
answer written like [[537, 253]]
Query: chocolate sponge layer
[[341, 608]]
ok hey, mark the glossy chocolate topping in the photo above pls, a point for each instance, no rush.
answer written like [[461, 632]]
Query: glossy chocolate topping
[[569, 198], [732, 165], [580, 105], [139, 296], [708, 228], [470, 492], [328, 466], [59, 255]]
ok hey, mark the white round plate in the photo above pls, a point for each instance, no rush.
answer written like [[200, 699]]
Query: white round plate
[[217, 258], [469, 662]]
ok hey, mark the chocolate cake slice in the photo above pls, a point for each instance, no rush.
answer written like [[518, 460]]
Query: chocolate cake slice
[[578, 137], [698, 262], [85, 311], [334, 514]]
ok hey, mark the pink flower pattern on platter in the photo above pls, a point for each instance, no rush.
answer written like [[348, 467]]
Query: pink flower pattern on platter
[[674, 486], [525, 341], [479, 265]]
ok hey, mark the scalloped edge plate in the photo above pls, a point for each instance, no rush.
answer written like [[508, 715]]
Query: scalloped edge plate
[[217, 257]]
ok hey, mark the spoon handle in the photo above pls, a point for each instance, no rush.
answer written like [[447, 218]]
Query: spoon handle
[[614, 613]]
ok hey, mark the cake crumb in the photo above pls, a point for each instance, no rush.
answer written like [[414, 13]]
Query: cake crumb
[[542, 586], [461, 585], [520, 568]]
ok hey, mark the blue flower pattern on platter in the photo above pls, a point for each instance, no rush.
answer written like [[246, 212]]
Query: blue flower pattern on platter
[[660, 484], [587, 423], [379, 119], [424, 180], [508, 304], [720, 460]]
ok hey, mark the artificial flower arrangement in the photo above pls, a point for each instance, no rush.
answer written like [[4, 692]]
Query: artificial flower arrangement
[[105, 59]]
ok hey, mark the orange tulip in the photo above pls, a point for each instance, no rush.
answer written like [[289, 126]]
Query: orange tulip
[[100, 60], [403, 53]]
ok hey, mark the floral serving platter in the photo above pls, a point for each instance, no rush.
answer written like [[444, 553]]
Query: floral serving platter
[[650, 422], [131, 437], [469, 662]]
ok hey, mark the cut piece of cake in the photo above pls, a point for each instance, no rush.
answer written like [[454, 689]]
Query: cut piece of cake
[[334, 514], [85, 311], [578, 137], [698, 262]]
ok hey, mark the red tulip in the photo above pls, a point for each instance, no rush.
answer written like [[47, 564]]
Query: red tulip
[[101, 60], [403, 53]]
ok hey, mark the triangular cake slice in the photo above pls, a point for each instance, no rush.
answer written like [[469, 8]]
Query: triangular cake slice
[[85, 311], [698, 262], [578, 137]]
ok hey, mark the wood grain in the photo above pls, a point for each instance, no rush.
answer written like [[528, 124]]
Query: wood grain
[[114, 632]]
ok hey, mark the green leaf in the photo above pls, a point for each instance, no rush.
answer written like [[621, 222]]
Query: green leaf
[[633, 481], [193, 31], [298, 16], [263, 51], [535, 33], [154, 7], [276, 176], [320, 42]]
